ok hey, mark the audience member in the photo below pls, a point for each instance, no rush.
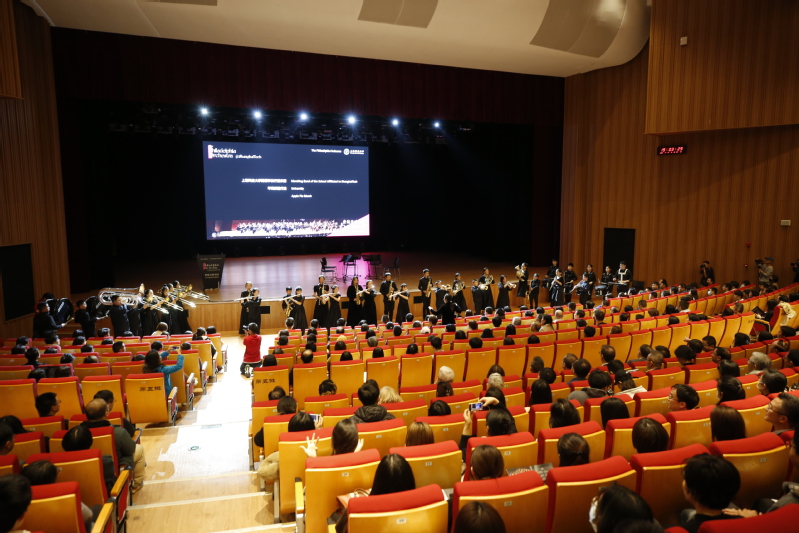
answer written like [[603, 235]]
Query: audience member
[[613, 409], [562, 413], [710, 482], [649, 435], [419, 433], [573, 450], [370, 411], [729, 389], [15, 498], [615, 505], [783, 412], [486, 463], [683, 398], [478, 517], [772, 381], [726, 424]]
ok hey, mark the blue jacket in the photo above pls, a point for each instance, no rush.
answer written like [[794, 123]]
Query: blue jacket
[[166, 370]]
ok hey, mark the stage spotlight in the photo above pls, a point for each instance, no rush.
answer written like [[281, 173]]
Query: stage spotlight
[[437, 124], [351, 119], [257, 114], [395, 122], [303, 116], [203, 110]]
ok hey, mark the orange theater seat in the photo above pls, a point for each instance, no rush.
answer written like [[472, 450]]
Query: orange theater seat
[[383, 435], [266, 378], [690, 427], [15, 372], [318, 404], [592, 432], [148, 402], [438, 463], [653, 401], [753, 411], [478, 361], [520, 417], [384, 370], [18, 398], [307, 378], [659, 480], [521, 500], [445, 428], [46, 424], [665, 377], [407, 411], [9, 464], [55, 509], [762, 462], [473, 386], [458, 403], [68, 391], [518, 449], [27, 444], [619, 435], [783, 520], [701, 372], [85, 467], [420, 392], [573, 488], [421, 509]]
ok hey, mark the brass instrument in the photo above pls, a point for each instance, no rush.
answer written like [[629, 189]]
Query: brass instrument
[[290, 303], [457, 286], [129, 296], [519, 272], [196, 295], [155, 303], [429, 291], [179, 294]]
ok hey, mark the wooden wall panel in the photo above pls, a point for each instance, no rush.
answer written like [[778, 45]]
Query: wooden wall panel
[[31, 195], [10, 86], [732, 187], [738, 70]]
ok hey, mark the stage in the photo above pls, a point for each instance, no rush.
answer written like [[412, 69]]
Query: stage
[[273, 274]]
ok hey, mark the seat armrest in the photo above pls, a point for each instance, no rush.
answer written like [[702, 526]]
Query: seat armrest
[[299, 497], [137, 436], [104, 522], [121, 482]]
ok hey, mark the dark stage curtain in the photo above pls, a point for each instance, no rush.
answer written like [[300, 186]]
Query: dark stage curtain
[[105, 66]]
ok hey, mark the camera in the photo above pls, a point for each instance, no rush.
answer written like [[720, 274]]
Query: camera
[[759, 261]]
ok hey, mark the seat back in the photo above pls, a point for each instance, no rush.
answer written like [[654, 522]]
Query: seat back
[[658, 480], [707, 391], [333, 416], [512, 358], [445, 428], [68, 391], [55, 509], [690, 427], [384, 370], [653, 401], [622, 343], [782, 520], [473, 386], [9, 464], [544, 350], [292, 461], [328, 477], [307, 378], [753, 411], [420, 392], [273, 427], [593, 407], [423, 509], [46, 424], [383, 436], [701, 372], [520, 500], [619, 435], [102, 439], [592, 432], [762, 462], [731, 326], [478, 361], [126, 368], [18, 398], [27, 444], [15, 372], [519, 449], [147, 401], [348, 375], [520, 417], [318, 404], [591, 349], [266, 378], [454, 359], [665, 377], [539, 416], [458, 403], [573, 488], [438, 463], [84, 370], [417, 369], [409, 411], [91, 385], [85, 467]]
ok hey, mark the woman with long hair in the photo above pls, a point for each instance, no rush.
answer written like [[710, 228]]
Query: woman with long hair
[[154, 365]]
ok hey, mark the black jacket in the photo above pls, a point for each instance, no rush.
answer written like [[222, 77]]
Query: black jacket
[[371, 413]]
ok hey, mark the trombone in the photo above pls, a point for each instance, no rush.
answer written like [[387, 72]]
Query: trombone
[[178, 296], [196, 295], [129, 296]]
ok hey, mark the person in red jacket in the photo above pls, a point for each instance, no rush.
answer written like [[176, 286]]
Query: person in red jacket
[[252, 350]]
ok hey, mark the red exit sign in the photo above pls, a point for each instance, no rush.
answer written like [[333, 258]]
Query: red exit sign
[[672, 150]]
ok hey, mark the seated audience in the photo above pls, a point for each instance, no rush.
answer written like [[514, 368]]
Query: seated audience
[[615, 506], [783, 412], [486, 463], [478, 517], [370, 411], [419, 433], [649, 435], [573, 450], [729, 389], [15, 498], [562, 413], [683, 398], [772, 381], [726, 424], [710, 482], [613, 409], [599, 384]]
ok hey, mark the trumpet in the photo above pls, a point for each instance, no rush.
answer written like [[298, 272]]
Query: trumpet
[[129, 296]]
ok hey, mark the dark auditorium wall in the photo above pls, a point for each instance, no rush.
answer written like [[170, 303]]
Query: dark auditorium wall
[[30, 169], [738, 69], [520, 191], [731, 188]]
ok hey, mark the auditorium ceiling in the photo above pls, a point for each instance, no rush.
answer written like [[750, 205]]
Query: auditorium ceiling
[[546, 37]]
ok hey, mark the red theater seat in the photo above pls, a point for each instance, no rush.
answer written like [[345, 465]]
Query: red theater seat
[[422, 509], [783, 520], [519, 449]]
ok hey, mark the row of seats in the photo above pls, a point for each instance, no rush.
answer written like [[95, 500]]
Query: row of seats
[[524, 501]]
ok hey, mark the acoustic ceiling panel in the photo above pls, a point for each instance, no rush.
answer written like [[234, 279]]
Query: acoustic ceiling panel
[[584, 27], [412, 13]]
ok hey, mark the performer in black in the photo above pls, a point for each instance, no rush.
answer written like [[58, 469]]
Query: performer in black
[[457, 290], [151, 315], [550, 274], [605, 286], [426, 286], [85, 320], [403, 308], [118, 315], [334, 312], [298, 311], [320, 310], [535, 287], [170, 319], [486, 280], [523, 285], [624, 277], [369, 307], [556, 289], [569, 277], [287, 303], [589, 271], [504, 287], [387, 289], [354, 311], [477, 297], [448, 310], [183, 314], [43, 321], [440, 292], [246, 294], [253, 307], [583, 289], [707, 273]]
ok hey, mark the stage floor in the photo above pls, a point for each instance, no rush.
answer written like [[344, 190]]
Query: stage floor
[[273, 274]]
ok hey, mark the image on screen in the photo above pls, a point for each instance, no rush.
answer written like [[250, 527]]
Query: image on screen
[[257, 190]]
